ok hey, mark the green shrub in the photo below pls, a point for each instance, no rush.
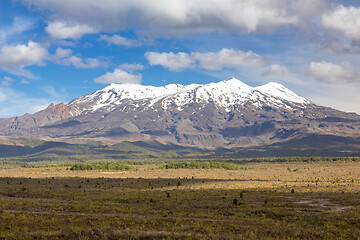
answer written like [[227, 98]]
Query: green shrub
[[102, 166], [202, 165]]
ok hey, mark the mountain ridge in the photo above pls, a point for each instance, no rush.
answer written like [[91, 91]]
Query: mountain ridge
[[224, 114]]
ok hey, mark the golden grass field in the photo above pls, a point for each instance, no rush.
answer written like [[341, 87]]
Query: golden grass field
[[337, 176], [262, 201]]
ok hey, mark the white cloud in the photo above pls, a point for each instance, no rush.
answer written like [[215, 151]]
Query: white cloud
[[119, 40], [278, 70], [131, 67], [82, 63], [229, 58], [345, 20], [15, 58], [68, 30], [181, 17], [62, 53], [64, 56], [331, 73], [173, 61], [119, 76], [225, 58]]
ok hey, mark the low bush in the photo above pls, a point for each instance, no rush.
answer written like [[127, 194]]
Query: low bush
[[102, 166], [202, 165]]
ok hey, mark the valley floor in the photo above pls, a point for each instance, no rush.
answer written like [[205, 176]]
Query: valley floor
[[262, 200]]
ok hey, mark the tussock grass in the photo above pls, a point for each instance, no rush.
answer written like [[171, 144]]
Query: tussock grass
[[138, 208]]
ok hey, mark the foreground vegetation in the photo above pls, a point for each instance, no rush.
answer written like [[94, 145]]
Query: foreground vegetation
[[203, 165], [270, 201], [89, 161], [102, 166]]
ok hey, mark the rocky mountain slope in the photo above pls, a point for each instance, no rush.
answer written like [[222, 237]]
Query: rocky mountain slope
[[225, 114]]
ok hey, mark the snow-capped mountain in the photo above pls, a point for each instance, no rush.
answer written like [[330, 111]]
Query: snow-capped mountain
[[225, 94], [227, 113]]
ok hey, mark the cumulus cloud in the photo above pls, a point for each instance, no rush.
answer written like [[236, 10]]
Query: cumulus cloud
[[181, 17], [225, 58], [278, 70], [65, 57], [68, 30], [15, 58], [119, 40], [173, 61], [119, 76], [331, 73], [340, 31], [229, 58], [345, 20], [62, 53]]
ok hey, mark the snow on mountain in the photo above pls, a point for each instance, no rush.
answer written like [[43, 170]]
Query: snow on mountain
[[279, 91], [224, 94]]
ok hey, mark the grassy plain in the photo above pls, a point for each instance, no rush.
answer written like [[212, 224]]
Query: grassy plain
[[315, 200]]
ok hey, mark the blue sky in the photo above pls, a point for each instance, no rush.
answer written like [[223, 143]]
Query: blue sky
[[55, 51]]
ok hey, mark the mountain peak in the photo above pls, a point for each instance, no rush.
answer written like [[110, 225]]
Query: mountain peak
[[236, 82], [232, 79], [119, 86], [279, 91], [274, 85]]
